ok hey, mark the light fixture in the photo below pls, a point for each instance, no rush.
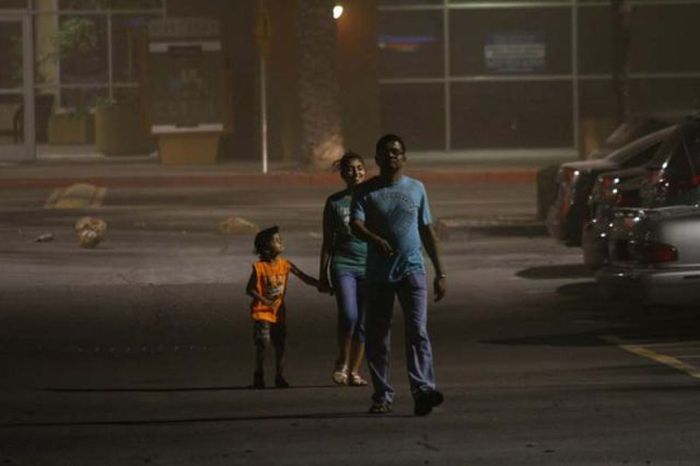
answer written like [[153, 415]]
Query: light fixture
[[337, 11]]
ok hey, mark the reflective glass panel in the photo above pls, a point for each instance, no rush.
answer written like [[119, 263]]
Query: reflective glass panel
[[13, 4], [511, 114], [595, 40], [510, 41], [129, 44], [81, 43], [416, 113], [596, 98], [10, 54], [659, 95], [410, 44], [665, 38]]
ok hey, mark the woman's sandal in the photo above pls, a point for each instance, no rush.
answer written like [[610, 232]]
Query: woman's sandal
[[340, 376], [354, 380], [380, 407]]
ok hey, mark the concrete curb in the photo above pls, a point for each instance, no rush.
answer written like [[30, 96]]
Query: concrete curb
[[280, 180]]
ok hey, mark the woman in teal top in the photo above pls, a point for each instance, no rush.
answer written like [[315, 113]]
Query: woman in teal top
[[346, 257]]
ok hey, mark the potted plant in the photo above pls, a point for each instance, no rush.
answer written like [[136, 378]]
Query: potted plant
[[119, 130], [76, 37]]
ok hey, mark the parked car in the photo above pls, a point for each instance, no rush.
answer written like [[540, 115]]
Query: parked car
[[654, 256], [671, 177], [618, 188], [575, 180], [635, 127]]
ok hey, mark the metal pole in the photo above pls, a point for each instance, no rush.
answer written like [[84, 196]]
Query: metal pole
[[110, 55], [447, 90], [28, 86], [263, 110], [263, 36], [574, 73]]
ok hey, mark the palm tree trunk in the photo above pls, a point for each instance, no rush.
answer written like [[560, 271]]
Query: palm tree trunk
[[321, 133]]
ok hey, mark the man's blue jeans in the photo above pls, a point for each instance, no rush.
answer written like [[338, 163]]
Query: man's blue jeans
[[413, 297]]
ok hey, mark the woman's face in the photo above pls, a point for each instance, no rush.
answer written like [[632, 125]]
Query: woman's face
[[354, 173]]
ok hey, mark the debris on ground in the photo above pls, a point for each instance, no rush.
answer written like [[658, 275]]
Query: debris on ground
[[44, 237], [90, 231], [233, 225], [76, 196]]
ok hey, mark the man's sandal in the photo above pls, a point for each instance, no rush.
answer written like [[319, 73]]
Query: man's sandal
[[380, 407]]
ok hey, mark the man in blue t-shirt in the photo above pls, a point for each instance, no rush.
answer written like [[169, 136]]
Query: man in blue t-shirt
[[391, 213]]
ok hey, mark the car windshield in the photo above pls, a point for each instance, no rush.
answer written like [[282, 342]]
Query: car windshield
[[668, 147], [641, 150], [631, 130]]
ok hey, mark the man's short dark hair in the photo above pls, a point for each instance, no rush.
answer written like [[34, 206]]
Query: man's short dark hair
[[263, 239], [386, 139]]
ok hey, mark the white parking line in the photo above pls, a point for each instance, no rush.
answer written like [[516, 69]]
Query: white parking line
[[645, 352], [675, 344]]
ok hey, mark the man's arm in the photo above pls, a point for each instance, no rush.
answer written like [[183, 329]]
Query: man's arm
[[432, 247], [361, 231]]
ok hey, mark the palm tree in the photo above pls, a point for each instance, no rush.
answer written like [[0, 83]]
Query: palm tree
[[321, 130]]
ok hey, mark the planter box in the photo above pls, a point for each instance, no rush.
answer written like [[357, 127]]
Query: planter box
[[195, 148], [120, 131], [71, 129]]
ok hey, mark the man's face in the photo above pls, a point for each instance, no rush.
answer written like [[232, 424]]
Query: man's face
[[391, 157]]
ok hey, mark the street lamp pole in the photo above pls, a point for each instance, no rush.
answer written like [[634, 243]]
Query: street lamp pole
[[263, 33]]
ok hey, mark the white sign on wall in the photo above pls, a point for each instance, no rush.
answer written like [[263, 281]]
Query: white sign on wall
[[515, 52]]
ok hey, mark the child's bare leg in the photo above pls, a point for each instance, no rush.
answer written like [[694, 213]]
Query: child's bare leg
[[259, 375], [279, 340], [280, 381], [260, 357]]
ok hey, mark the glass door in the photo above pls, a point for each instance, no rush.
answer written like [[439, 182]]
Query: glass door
[[17, 132]]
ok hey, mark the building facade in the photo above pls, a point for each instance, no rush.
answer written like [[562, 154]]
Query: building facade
[[448, 75]]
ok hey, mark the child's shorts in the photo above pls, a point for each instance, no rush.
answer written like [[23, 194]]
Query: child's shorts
[[264, 331]]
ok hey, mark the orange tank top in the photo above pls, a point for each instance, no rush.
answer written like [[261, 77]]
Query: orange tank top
[[271, 283]]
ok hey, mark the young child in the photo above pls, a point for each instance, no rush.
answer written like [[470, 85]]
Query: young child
[[268, 286]]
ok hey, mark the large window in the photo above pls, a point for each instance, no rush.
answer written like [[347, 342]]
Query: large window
[[511, 114], [415, 111], [90, 49], [501, 41], [505, 73], [410, 44]]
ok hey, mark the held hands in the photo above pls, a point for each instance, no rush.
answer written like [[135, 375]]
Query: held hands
[[439, 287], [384, 247], [325, 287]]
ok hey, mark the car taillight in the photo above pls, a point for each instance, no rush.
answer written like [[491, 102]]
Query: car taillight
[[605, 189], [653, 175], [626, 198], [650, 252], [568, 175]]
